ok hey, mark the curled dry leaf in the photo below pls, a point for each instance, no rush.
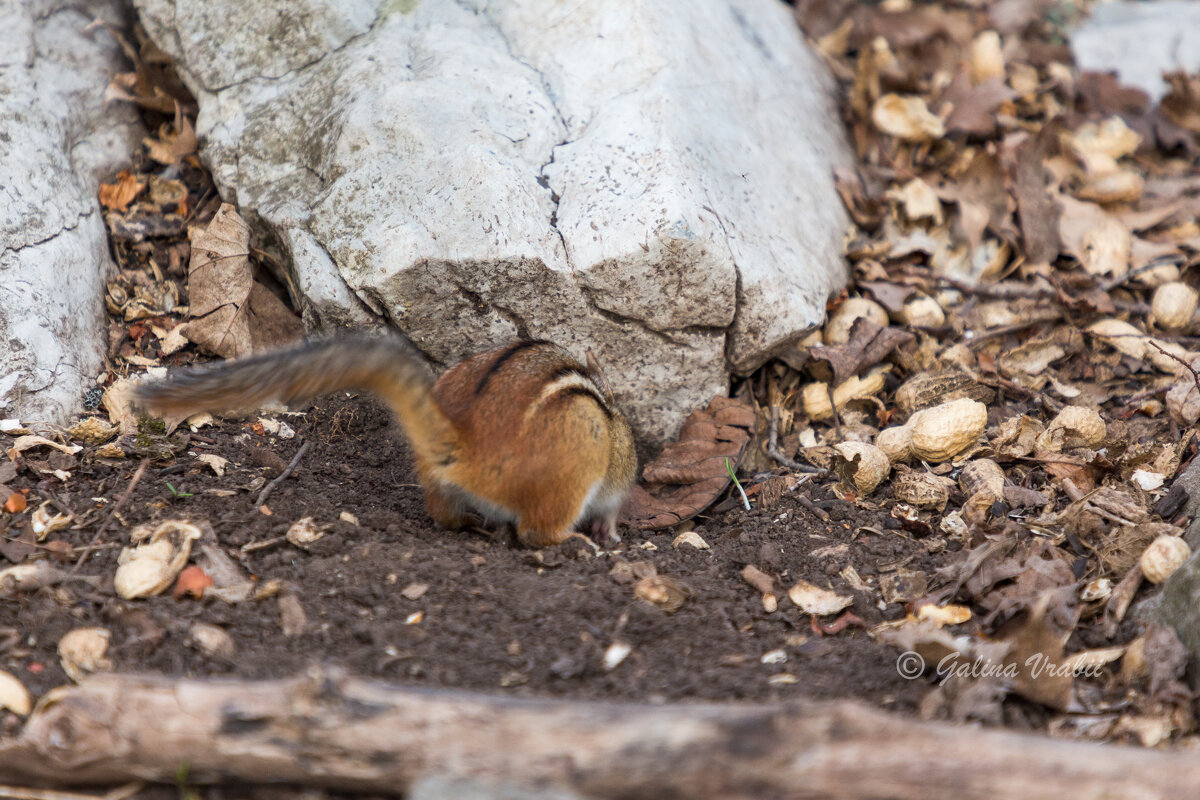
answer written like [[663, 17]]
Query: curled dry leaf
[[944, 615], [918, 200], [304, 532], [29, 577], [907, 118], [23, 443], [117, 196], [1074, 426], [13, 695], [211, 640], [690, 538], [82, 650], [213, 462], [662, 592], [231, 314], [93, 431], [1037, 649], [869, 344], [159, 555], [812, 599], [44, 522], [690, 473]]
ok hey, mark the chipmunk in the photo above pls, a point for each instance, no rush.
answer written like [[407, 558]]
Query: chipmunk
[[523, 434]]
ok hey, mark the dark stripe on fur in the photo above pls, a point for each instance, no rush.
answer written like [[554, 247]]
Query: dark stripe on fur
[[495, 366], [583, 391]]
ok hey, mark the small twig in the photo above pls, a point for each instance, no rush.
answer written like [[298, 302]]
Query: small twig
[[270, 487], [819, 512], [773, 447], [1173, 357], [1114, 282], [121, 501], [983, 336], [252, 546], [837, 420], [1003, 291]]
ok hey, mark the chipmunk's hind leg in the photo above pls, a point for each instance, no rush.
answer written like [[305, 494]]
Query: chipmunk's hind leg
[[446, 510]]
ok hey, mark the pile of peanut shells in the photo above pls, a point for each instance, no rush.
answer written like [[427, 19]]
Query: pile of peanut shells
[[1015, 373]]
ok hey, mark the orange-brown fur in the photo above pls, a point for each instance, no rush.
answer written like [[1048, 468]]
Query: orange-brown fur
[[524, 433]]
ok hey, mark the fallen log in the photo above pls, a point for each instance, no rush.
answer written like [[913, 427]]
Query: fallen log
[[329, 730]]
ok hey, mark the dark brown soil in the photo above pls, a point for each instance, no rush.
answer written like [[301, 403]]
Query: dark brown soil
[[496, 617]]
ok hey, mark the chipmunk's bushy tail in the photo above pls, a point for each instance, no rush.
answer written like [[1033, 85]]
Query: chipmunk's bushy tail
[[383, 365]]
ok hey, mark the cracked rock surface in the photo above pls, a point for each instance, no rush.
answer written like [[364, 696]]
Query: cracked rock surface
[[647, 178], [57, 138]]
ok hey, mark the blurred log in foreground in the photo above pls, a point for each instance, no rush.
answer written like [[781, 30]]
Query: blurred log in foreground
[[329, 730]]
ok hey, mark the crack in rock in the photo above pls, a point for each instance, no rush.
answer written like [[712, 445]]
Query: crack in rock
[[79, 219]]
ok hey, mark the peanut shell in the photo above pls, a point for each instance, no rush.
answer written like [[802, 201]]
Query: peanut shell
[[896, 443], [837, 329], [921, 489], [922, 312], [944, 431], [927, 389], [872, 467], [1120, 336], [1082, 427], [1173, 305], [814, 398], [982, 475], [1163, 556]]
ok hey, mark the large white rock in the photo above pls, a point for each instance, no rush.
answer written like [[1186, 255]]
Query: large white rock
[[1140, 41], [56, 139], [648, 178]]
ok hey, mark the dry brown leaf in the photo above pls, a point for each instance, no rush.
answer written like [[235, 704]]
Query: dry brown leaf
[[662, 592], [1044, 674], [232, 315], [1037, 210], [1181, 104], [907, 118], [974, 107], [868, 345], [691, 472], [1098, 239], [117, 196]]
